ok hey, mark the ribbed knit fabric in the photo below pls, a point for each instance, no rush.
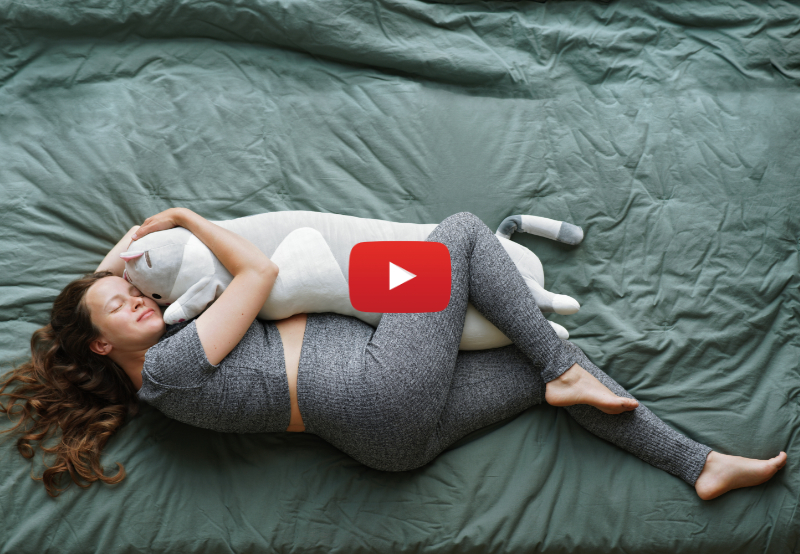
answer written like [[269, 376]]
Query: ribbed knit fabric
[[247, 392], [413, 393], [395, 397], [640, 431]]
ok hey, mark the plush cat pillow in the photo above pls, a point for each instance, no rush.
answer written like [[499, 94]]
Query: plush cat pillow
[[312, 251]]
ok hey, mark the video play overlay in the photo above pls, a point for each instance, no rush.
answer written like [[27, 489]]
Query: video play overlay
[[399, 276]]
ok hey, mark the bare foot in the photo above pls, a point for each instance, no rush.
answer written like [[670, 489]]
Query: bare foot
[[723, 473], [578, 386]]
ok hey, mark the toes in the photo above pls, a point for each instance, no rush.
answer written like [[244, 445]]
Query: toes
[[617, 407], [779, 460]]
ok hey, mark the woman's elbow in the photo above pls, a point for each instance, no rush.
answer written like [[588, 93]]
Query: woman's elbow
[[270, 267], [267, 271]]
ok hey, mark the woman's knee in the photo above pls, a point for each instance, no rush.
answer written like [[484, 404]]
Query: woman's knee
[[459, 229], [464, 218]]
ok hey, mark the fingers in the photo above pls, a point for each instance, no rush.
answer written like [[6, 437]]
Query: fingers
[[159, 222], [143, 229], [147, 228]]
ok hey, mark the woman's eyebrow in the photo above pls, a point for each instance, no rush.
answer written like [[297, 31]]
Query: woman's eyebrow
[[118, 295]]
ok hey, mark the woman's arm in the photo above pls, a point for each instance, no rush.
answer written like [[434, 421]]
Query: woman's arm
[[223, 324], [112, 262]]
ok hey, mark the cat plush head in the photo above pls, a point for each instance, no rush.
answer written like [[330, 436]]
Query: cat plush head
[[173, 268]]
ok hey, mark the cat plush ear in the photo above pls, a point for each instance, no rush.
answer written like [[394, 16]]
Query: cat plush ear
[[128, 256]]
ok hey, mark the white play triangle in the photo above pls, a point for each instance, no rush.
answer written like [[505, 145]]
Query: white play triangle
[[398, 276]]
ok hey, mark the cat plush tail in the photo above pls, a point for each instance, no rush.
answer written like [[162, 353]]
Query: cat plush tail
[[554, 230], [541, 226]]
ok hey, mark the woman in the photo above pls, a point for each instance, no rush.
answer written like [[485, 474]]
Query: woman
[[393, 397]]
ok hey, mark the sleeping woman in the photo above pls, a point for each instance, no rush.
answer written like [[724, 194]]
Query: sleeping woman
[[392, 398]]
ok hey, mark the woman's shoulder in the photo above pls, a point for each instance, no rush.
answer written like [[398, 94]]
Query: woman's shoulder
[[177, 360]]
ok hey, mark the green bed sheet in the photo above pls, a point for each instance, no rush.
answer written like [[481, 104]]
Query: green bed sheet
[[668, 130]]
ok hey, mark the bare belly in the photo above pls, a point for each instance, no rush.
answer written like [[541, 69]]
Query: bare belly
[[292, 330]]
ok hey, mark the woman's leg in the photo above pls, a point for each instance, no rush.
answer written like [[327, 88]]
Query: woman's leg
[[639, 431], [491, 385], [488, 386], [410, 359], [397, 410]]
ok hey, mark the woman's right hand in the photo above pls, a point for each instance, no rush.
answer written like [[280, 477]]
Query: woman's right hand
[[161, 221]]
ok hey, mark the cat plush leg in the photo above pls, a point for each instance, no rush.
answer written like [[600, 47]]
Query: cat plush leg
[[530, 267], [550, 302], [480, 334]]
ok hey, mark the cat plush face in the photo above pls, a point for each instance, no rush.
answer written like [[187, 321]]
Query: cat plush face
[[153, 262], [174, 268]]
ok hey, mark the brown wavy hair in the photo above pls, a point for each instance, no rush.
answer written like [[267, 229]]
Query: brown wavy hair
[[66, 386]]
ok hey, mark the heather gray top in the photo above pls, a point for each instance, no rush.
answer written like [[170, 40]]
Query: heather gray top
[[247, 392]]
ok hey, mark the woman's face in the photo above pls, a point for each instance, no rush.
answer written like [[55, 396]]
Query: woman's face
[[128, 320]]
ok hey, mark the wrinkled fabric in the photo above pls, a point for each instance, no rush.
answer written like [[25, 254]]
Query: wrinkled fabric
[[667, 131]]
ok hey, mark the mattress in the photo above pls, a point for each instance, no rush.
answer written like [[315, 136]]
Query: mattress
[[667, 131]]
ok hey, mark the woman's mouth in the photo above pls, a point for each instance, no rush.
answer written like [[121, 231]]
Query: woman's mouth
[[145, 314]]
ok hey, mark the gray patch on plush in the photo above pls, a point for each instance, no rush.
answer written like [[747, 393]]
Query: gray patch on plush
[[570, 234]]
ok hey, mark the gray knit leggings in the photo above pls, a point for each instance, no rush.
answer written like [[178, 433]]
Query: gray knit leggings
[[418, 393]]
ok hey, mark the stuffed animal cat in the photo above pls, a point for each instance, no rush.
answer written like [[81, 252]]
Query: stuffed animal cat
[[312, 251]]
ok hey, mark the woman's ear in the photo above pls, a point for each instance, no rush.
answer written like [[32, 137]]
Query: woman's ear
[[99, 346]]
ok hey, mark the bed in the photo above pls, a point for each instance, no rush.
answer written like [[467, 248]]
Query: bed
[[668, 131]]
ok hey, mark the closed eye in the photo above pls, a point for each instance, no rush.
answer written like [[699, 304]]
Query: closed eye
[[118, 307]]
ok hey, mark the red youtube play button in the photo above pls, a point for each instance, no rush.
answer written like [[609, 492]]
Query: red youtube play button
[[399, 276]]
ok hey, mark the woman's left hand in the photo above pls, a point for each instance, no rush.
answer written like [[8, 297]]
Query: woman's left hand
[[161, 221]]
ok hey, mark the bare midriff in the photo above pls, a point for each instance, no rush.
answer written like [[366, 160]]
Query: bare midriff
[[292, 330]]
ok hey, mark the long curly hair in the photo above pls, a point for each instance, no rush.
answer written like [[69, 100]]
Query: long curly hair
[[65, 385]]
